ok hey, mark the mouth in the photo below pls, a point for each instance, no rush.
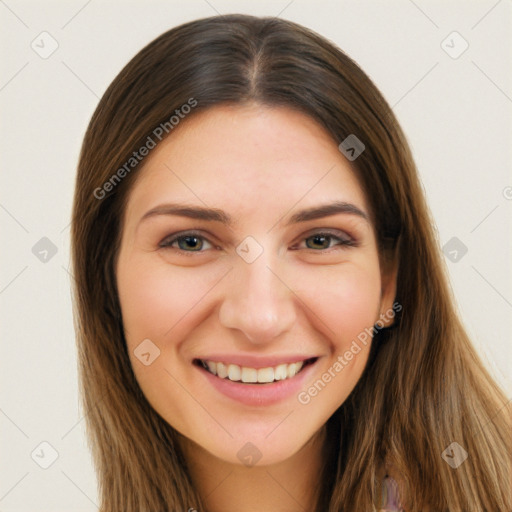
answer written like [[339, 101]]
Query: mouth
[[248, 375]]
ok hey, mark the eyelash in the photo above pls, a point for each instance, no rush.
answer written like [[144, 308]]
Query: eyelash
[[167, 242]]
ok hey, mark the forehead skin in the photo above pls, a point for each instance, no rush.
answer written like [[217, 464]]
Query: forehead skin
[[255, 162]]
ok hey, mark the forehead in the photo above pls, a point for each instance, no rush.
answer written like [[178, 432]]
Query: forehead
[[253, 161]]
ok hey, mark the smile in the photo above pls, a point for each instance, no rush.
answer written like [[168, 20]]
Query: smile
[[258, 382], [248, 375]]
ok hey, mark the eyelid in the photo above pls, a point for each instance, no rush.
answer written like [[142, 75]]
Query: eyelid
[[337, 233], [170, 239], [345, 239], [342, 236]]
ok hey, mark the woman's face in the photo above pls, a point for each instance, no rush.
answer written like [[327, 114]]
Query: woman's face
[[260, 284]]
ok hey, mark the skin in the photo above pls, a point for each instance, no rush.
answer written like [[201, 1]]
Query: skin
[[301, 295]]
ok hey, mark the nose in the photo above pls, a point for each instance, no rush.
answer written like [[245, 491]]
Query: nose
[[258, 301]]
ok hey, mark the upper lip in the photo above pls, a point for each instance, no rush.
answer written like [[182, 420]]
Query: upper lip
[[256, 361]]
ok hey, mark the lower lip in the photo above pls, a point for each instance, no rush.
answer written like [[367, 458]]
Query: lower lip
[[260, 394]]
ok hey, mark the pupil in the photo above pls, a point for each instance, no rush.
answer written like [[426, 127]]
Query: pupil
[[320, 237], [187, 240]]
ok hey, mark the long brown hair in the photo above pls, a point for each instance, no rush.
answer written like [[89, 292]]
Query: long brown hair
[[424, 386]]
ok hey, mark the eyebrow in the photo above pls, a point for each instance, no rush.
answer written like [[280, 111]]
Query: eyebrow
[[216, 215]]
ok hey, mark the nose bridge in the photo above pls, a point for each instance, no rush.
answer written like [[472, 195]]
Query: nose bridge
[[257, 301]]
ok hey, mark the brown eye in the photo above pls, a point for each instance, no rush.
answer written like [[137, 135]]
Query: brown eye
[[187, 242], [322, 241]]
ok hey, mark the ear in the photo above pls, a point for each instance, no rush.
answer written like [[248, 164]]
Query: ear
[[389, 275]]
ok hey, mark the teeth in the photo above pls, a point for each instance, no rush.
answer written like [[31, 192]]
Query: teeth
[[281, 372], [233, 372], [212, 367], [249, 374], [266, 375], [222, 371], [236, 373], [293, 369]]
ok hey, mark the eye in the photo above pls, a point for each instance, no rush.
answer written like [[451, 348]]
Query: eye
[[188, 242], [321, 240], [193, 242]]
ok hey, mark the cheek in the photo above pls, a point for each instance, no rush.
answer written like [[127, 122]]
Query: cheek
[[346, 303], [162, 304], [156, 299], [345, 299]]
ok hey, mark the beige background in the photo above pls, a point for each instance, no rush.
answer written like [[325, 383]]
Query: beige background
[[456, 112]]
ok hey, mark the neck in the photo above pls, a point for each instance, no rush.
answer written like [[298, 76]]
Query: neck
[[292, 485]]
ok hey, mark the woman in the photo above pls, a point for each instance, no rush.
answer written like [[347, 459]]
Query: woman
[[227, 361]]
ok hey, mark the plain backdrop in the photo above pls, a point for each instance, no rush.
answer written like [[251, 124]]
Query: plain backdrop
[[454, 104]]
